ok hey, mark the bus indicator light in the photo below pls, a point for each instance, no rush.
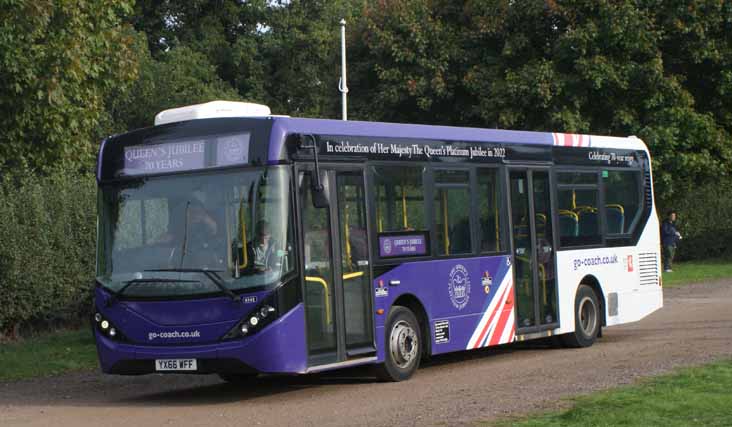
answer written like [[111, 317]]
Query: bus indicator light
[[380, 311]]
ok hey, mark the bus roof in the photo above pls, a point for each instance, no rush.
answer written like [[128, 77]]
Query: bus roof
[[283, 126]]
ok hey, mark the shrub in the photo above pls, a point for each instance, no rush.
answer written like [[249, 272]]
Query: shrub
[[704, 219], [47, 248]]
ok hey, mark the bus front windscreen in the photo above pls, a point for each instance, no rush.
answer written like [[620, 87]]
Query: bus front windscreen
[[167, 236]]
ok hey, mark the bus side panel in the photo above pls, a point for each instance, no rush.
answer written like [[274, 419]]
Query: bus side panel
[[628, 276], [469, 302]]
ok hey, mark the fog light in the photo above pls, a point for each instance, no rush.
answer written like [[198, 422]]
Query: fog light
[[254, 320], [97, 317], [104, 324], [244, 329], [112, 332]]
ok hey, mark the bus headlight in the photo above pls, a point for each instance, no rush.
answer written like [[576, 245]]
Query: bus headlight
[[253, 322], [106, 328]]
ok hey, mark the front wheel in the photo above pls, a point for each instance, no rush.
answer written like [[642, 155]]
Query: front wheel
[[403, 345], [586, 319]]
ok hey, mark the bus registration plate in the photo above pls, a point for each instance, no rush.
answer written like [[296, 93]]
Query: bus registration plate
[[175, 365]]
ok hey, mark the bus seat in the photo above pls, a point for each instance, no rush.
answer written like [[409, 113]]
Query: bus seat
[[615, 219], [568, 223], [584, 208], [588, 223]]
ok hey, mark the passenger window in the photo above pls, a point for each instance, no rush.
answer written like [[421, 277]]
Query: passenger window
[[577, 200], [489, 199], [399, 198], [622, 200], [452, 212]]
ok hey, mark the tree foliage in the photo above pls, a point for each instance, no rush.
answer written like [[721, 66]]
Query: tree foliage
[[655, 69], [58, 62]]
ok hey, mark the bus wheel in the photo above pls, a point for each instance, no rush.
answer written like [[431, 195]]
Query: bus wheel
[[586, 319], [402, 345]]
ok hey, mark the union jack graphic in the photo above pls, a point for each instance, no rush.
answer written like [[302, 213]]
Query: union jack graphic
[[571, 140], [497, 325]]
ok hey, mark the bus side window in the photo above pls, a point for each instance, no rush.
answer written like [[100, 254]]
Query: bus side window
[[399, 198], [489, 207], [622, 200], [579, 217], [452, 212]]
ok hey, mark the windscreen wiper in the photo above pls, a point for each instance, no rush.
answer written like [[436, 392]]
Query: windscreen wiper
[[212, 275], [115, 295]]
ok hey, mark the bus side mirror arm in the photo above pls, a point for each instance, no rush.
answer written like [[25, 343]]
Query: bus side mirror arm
[[319, 195]]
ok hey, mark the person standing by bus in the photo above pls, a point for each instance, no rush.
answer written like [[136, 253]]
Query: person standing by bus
[[669, 239]]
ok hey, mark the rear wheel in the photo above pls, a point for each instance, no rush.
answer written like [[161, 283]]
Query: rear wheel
[[403, 344], [586, 319]]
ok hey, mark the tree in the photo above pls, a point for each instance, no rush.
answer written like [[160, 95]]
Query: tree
[[180, 76], [59, 61]]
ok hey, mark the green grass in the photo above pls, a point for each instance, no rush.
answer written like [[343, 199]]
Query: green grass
[[695, 396], [45, 355], [697, 271]]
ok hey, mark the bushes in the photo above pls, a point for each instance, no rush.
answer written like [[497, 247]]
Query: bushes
[[47, 248], [704, 219]]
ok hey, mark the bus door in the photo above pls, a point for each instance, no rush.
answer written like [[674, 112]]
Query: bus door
[[337, 273], [533, 249]]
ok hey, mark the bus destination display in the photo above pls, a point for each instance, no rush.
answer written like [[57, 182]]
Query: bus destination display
[[186, 155]]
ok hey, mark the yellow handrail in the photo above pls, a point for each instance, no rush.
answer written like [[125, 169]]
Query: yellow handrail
[[347, 236], [325, 294], [352, 275], [243, 222]]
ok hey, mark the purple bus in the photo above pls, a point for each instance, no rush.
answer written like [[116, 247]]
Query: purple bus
[[235, 242]]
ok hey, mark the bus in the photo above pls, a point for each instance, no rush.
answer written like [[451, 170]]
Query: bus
[[236, 242]]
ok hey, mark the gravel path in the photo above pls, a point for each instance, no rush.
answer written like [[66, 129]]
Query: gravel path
[[694, 327]]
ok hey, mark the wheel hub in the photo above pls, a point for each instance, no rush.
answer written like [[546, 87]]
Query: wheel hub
[[403, 344], [587, 316]]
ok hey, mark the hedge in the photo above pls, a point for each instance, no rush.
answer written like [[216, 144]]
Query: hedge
[[704, 220], [47, 248]]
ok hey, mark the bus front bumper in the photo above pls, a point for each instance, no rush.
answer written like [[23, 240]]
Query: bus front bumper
[[278, 348]]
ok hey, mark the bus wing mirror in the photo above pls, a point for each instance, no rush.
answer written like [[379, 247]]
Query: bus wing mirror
[[319, 190], [320, 193]]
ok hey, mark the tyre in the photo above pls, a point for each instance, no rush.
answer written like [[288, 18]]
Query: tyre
[[403, 345], [586, 319]]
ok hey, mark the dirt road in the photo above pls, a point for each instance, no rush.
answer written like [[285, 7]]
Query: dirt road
[[695, 326]]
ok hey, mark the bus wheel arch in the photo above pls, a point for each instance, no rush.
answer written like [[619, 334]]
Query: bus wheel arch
[[593, 283], [404, 340], [588, 312], [415, 306]]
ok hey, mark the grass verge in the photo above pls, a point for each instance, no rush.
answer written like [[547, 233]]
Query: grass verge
[[50, 354], [693, 396], [697, 271]]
